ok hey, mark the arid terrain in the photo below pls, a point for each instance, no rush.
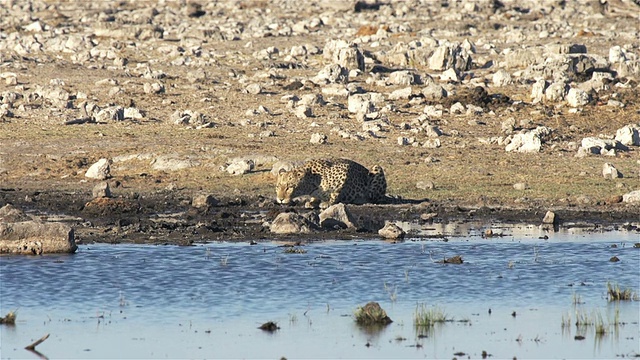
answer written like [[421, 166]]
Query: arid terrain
[[177, 94]]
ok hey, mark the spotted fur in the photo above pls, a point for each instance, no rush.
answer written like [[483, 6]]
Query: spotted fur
[[332, 181]]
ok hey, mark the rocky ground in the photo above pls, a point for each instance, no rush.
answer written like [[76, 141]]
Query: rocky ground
[[494, 110]]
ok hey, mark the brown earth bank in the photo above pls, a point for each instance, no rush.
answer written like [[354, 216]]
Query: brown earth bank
[[174, 94]]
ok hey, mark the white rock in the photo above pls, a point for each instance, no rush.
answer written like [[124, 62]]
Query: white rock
[[337, 216], [529, 141], [556, 91], [311, 99], [171, 163], [240, 166], [457, 109], [538, 90], [629, 135], [132, 113], [360, 103], [391, 231], [334, 73], [632, 197], [291, 223], [99, 170], [501, 78], [433, 111], [450, 75], [153, 88], [610, 172], [254, 89], [433, 92], [431, 143], [577, 97], [101, 190], [403, 77], [317, 138], [115, 113], [400, 94], [596, 145], [303, 112], [549, 218], [281, 165], [616, 54]]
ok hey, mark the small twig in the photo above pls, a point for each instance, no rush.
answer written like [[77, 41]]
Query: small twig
[[37, 342]]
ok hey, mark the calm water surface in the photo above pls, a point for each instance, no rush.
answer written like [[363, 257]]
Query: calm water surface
[[133, 301]]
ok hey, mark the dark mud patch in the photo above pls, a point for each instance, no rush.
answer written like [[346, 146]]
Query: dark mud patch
[[167, 217]]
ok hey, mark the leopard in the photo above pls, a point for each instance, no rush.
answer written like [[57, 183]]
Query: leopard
[[332, 181]]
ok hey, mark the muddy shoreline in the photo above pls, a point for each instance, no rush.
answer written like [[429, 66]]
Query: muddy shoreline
[[167, 217]]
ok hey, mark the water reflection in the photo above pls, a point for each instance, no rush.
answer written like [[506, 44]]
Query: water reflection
[[208, 301]]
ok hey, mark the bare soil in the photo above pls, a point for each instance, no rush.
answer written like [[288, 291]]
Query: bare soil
[[43, 161]]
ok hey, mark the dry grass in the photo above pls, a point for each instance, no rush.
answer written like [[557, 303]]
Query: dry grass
[[615, 293], [9, 319]]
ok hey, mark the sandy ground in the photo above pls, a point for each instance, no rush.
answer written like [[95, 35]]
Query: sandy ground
[[43, 160]]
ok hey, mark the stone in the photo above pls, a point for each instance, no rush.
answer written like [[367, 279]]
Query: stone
[[431, 143], [153, 88], [577, 97], [433, 91], [631, 197], [132, 113], [344, 53], [291, 223], [99, 170], [11, 214], [616, 54], [171, 163], [204, 201], [102, 190], [457, 109], [594, 145], [36, 238], [403, 78], [333, 73], [391, 231], [610, 172], [538, 91], [317, 138], [528, 141], [556, 91], [303, 111], [187, 117], [425, 185], [240, 166], [550, 218], [254, 89], [337, 216], [398, 94], [111, 113], [520, 186], [501, 78], [312, 99], [450, 75], [450, 56], [629, 135], [360, 103], [281, 165]]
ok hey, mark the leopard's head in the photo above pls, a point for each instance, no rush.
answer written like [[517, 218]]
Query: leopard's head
[[290, 184]]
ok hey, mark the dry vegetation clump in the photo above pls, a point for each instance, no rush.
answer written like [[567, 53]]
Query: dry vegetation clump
[[615, 293]]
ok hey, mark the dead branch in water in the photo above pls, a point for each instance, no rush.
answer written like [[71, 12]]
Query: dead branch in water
[[37, 342]]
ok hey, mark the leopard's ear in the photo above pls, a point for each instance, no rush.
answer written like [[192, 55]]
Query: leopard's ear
[[282, 171]]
